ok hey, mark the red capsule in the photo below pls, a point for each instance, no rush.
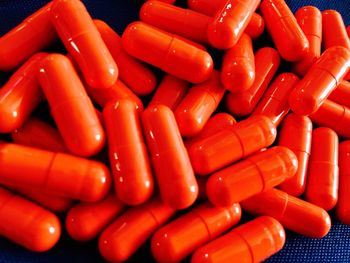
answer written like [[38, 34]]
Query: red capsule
[[323, 172], [27, 224], [83, 41], [238, 66], [170, 92], [171, 163], [230, 21], [251, 242], [243, 103], [334, 30], [287, 35], [319, 82], [348, 30], [231, 144], [167, 52], [198, 105], [20, 95], [133, 181], [309, 19], [178, 239], [85, 221], [35, 33], [341, 94], [58, 173], [71, 107], [296, 134], [274, 104], [259, 172], [128, 67], [127, 233]]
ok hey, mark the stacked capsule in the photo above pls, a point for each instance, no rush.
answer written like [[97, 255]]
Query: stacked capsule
[[177, 169]]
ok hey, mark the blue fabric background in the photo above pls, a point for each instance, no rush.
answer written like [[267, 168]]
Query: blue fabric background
[[118, 13]]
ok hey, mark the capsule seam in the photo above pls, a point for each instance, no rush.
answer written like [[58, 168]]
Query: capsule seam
[[240, 141], [154, 217], [49, 169], [260, 173], [205, 224], [248, 245]]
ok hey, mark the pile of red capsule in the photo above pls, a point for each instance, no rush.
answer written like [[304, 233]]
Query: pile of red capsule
[[176, 153]]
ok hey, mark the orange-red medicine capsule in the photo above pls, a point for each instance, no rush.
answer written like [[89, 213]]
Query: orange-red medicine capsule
[[251, 242], [319, 82], [309, 19], [178, 239], [274, 104], [287, 35], [259, 172], [32, 35], [348, 30], [58, 173], [334, 30], [85, 221], [296, 134], [128, 232], [231, 144], [83, 41], [176, 20], [323, 171], [341, 94], [133, 181], [128, 67], [343, 205], [243, 103], [174, 174], [70, 106], [20, 95], [293, 213], [27, 224], [230, 21], [170, 92], [238, 66], [198, 105], [167, 52]]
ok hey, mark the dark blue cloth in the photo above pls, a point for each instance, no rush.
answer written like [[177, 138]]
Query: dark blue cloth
[[118, 13]]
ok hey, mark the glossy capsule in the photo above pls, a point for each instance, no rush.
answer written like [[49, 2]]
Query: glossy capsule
[[83, 41], [251, 242], [130, 166], [179, 238], [319, 82], [229, 22], [171, 163], [274, 104], [58, 173], [238, 66], [128, 67], [258, 173], [231, 144], [85, 221], [20, 95], [293, 213], [167, 52], [70, 106], [323, 171], [198, 105], [341, 94], [27, 224], [35, 33], [128, 232], [296, 134], [286, 34], [343, 206], [334, 30], [348, 30], [243, 103], [309, 19], [170, 92]]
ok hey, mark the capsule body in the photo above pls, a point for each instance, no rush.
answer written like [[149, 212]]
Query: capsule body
[[133, 181], [83, 41], [341, 94], [296, 134], [251, 242], [243, 103], [334, 30], [323, 171], [319, 82], [178, 239], [167, 52], [231, 144]]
